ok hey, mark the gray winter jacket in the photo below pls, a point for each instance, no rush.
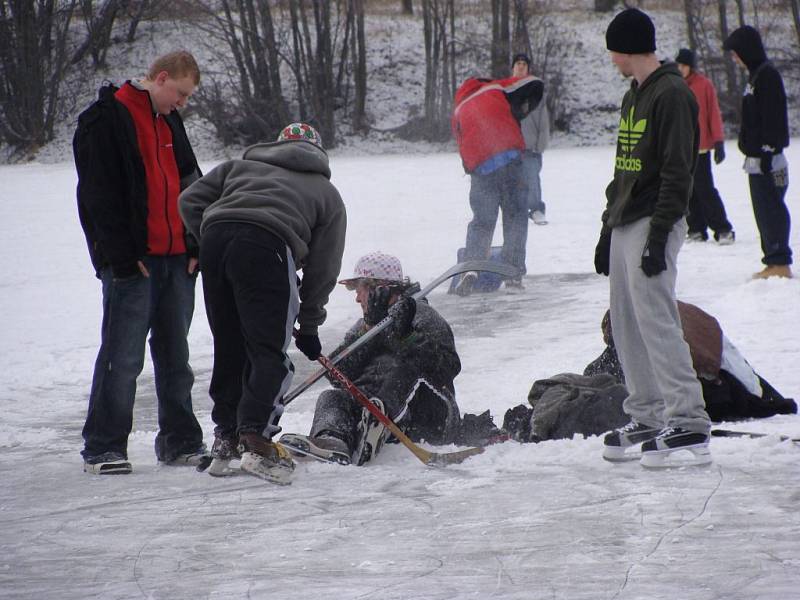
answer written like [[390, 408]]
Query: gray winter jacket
[[536, 128], [283, 187]]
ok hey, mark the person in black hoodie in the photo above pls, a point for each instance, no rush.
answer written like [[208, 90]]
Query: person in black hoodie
[[763, 135], [643, 230]]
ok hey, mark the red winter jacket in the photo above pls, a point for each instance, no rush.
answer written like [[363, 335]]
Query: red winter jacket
[[709, 117], [486, 116], [164, 225]]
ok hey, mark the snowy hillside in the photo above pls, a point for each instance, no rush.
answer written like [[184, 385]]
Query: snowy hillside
[[549, 520]]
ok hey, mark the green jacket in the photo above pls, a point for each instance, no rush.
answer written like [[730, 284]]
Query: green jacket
[[656, 153]]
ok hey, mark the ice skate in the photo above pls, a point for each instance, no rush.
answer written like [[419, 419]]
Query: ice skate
[[675, 447], [372, 434], [108, 463], [621, 445], [467, 282], [538, 217], [265, 459], [194, 458], [224, 450], [322, 447]]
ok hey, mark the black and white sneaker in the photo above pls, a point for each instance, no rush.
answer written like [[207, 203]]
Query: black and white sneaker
[[618, 441], [108, 463], [676, 447]]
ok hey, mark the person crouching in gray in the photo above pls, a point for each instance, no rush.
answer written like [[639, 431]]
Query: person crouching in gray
[[260, 219]]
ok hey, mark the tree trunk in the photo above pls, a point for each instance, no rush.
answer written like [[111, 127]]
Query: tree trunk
[[407, 7], [733, 91], [501, 38], [360, 71], [795, 4], [691, 23]]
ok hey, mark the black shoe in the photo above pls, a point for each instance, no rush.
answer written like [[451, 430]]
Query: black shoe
[[619, 440], [656, 452], [108, 463]]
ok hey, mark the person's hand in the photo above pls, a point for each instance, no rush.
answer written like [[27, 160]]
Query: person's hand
[[402, 313], [766, 163], [377, 305], [653, 261], [602, 253], [142, 269], [719, 152], [192, 266], [309, 344]]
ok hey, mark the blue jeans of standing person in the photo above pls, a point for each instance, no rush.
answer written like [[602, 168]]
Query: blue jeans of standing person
[[532, 165], [772, 216], [504, 189], [161, 304]]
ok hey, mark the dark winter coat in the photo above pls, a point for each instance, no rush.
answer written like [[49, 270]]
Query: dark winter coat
[[427, 355], [112, 183], [656, 153], [283, 187], [765, 121]]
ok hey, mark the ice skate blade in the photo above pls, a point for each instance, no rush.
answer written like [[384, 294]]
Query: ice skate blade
[[254, 464], [615, 454], [677, 458], [300, 446], [109, 468]]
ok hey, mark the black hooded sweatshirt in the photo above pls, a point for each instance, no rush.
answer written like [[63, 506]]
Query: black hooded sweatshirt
[[765, 122]]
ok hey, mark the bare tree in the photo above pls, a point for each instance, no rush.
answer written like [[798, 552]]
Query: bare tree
[[501, 38], [407, 7], [34, 39], [99, 25], [795, 5], [438, 17]]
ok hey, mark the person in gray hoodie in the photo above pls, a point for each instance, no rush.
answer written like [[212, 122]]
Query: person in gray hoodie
[[259, 219]]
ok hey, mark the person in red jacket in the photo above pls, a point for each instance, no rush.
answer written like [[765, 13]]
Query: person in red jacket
[[486, 125], [706, 209], [133, 159]]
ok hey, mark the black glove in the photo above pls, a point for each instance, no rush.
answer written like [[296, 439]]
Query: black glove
[[402, 313], [719, 152], [309, 345], [602, 253], [653, 261], [377, 305], [766, 163]]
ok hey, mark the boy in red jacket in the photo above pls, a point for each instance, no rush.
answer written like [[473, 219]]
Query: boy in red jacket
[[705, 204], [486, 126]]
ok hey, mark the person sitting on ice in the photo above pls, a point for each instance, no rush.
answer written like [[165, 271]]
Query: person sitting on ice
[[732, 390], [407, 371]]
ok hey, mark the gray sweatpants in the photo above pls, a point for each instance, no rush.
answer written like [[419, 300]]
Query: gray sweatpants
[[661, 381]]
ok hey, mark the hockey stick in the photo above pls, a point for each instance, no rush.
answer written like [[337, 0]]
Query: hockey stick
[[751, 434], [464, 267], [427, 457]]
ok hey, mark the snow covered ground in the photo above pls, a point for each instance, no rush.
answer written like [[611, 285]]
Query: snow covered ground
[[551, 520]]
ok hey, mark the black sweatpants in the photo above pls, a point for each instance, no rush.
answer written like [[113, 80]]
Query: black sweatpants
[[706, 209], [250, 290]]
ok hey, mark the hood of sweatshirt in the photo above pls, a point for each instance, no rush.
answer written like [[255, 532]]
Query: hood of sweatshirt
[[296, 155], [746, 42]]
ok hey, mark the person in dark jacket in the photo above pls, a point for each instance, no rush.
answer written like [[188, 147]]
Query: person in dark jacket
[[642, 232], [133, 158], [763, 135], [486, 125], [407, 370], [259, 220], [706, 208]]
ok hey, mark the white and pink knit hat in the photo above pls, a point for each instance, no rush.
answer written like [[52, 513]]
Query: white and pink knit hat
[[381, 267]]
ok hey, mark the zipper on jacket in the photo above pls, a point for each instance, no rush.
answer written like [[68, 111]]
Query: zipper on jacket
[[166, 184]]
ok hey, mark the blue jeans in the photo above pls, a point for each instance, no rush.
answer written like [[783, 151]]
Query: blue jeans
[[504, 189], [161, 304], [772, 216], [532, 165]]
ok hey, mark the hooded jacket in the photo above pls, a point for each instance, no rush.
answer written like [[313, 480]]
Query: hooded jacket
[[656, 153], [283, 187], [486, 116], [765, 121], [709, 117]]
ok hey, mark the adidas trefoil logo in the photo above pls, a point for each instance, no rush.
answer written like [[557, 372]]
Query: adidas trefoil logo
[[630, 132]]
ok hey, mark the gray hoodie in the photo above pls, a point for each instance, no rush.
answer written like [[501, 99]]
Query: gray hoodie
[[536, 128], [283, 187]]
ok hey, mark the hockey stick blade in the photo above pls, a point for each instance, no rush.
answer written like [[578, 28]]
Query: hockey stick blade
[[436, 459], [752, 434], [457, 269]]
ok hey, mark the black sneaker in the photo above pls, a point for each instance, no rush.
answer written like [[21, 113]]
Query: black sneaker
[[619, 440], [657, 453], [108, 463]]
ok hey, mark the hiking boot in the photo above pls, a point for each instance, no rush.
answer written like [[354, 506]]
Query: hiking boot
[[696, 236], [537, 216], [108, 463], [725, 238], [783, 271], [657, 452], [619, 440], [467, 282], [265, 459]]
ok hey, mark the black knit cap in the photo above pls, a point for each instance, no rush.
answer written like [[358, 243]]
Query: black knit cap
[[631, 32], [686, 57], [521, 57]]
